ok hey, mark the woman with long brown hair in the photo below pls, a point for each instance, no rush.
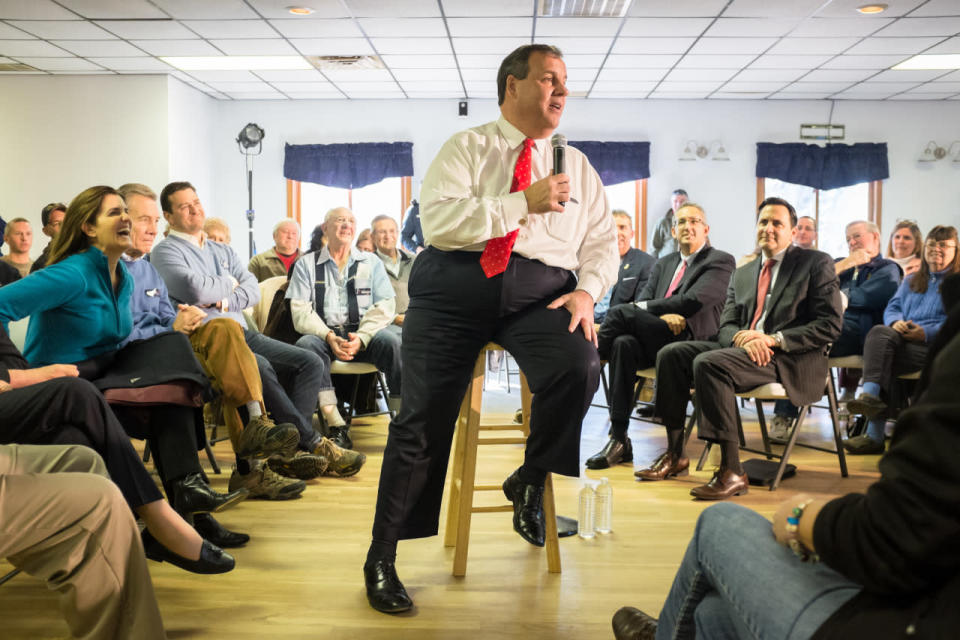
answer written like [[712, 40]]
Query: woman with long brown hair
[[905, 246]]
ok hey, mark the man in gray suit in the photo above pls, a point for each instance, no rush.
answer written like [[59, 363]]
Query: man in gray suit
[[782, 313]]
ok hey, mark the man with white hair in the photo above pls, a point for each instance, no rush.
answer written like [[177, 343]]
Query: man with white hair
[[277, 260], [396, 260]]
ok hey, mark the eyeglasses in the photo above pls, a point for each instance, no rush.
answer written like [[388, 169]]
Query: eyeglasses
[[943, 245], [687, 221]]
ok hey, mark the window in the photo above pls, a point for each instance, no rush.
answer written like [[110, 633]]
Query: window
[[832, 209], [631, 196]]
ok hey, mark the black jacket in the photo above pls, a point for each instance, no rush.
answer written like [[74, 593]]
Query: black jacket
[[635, 268]]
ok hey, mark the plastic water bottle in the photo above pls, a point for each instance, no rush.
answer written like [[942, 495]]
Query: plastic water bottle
[[604, 497], [587, 511]]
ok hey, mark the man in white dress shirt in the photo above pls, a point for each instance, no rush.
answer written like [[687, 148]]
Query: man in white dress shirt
[[514, 255]]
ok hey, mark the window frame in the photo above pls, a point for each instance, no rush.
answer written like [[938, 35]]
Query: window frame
[[295, 203]]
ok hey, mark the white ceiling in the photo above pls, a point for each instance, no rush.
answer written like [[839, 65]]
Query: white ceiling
[[718, 49]]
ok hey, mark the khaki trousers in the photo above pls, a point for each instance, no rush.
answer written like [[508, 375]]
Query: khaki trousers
[[232, 368], [63, 521]]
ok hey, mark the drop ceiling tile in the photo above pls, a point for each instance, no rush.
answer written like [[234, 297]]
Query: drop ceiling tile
[[479, 75], [100, 9], [650, 61], [480, 61], [12, 33], [884, 86], [664, 27], [908, 75], [413, 45], [434, 95], [819, 27], [86, 72], [631, 87], [333, 28], [247, 87], [848, 8], [490, 27], [582, 45], [769, 75], [359, 75], [949, 46], [499, 46], [34, 48], [861, 96], [206, 10], [419, 61], [818, 87], [953, 76], [407, 8], [679, 95], [148, 30], [739, 95], [789, 62], [62, 29], [672, 8], [314, 95], [652, 45], [937, 87], [920, 96], [878, 45], [303, 87], [697, 75], [403, 27], [142, 63], [266, 95], [937, 8], [419, 75], [432, 86], [631, 75], [583, 60], [684, 87], [767, 9], [943, 26], [579, 86], [481, 90], [332, 46], [349, 87], [715, 62], [291, 75], [736, 86], [576, 27], [471, 8], [224, 76], [750, 27], [863, 62], [838, 75], [177, 47], [800, 46], [278, 10], [231, 28], [618, 95], [783, 95], [104, 48], [376, 95], [255, 47], [711, 46], [60, 64], [34, 10]]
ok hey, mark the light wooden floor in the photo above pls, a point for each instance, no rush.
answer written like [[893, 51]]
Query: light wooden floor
[[300, 577]]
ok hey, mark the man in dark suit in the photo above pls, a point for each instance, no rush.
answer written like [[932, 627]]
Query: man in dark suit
[[782, 313], [680, 301], [635, 268]]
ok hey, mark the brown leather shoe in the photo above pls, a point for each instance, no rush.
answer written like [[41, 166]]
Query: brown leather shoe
[[666, 466], [722, 485], [633, 624]]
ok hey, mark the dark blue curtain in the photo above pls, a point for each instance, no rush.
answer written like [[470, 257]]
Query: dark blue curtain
[[829, 167], [617, 161], [348, 166]]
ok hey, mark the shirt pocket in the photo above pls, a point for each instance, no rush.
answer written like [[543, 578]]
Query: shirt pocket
[[563, 225], [362, 286]]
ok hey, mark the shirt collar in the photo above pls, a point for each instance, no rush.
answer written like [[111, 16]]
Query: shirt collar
[[192, 239], [693, 255], [515, 137], [777, 257]]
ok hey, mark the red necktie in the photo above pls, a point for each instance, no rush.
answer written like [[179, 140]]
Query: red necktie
[[675, 283], [762, 287], [496, 254]]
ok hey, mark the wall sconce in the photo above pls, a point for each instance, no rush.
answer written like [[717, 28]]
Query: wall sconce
[[933, 152], [715, 150]]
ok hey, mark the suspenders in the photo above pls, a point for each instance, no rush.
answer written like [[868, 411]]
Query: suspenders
[[320, 290]]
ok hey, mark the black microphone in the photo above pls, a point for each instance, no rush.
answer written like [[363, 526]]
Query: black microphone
[[559, 143]]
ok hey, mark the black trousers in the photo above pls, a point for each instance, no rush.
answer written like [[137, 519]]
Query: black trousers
[[630, 339], [72, 411], [454, 311]]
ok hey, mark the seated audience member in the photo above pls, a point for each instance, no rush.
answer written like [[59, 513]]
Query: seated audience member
[[806, 233], [781, 314], [210, 275], [681, 301], [341, 300], [412, 234], [216, 230], [899, 345], [868, 280], [889, 563], [663, 242], [397, 261], [52, 217], [65, 523], [221, 350], [365, 241], [19, 238], [8, 274], [79, 308], [277, 260], [635, 267], [905, 246], [317, 239]]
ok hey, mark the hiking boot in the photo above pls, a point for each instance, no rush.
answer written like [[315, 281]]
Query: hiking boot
[[302, 465], [261, 438], [263, 483], [342, 462]]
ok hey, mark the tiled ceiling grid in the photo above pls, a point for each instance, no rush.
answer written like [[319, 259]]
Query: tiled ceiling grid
[[719, 49]]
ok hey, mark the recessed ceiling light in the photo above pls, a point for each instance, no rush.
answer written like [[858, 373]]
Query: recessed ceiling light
[[236, 63], [300, 11], [870, 9], [930, 61]]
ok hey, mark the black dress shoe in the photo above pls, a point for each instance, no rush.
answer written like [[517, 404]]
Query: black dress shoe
[[340, 436], [385, 592], [645, 411], [212, 559], [210, 529], [613, 453], [633, 624], [527, 502], [192, 495]]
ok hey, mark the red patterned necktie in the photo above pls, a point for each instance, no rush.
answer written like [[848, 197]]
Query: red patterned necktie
[[762, 287], [675, 283], [496, 254]]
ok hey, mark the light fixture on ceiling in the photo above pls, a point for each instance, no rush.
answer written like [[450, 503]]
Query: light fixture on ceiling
[[930, 61], [872, 9], [300, 11], [236, 63], [933, 152], [715, 150]]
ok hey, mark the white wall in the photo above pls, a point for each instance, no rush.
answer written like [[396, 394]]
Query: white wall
[[191, 118]]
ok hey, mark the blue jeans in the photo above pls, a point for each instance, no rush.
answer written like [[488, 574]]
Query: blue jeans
[[292, 380], [383, 351], [737, 582]]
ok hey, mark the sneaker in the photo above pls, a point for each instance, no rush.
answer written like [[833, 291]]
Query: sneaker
[[779, 430], [342, 462], [302, 465], [867, 405], [265, 484], [862, 445], [261, 438]]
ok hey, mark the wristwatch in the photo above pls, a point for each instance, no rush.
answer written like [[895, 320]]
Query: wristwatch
[[777, 340]]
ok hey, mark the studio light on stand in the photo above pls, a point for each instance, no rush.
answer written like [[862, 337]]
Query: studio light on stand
[[249, 137]]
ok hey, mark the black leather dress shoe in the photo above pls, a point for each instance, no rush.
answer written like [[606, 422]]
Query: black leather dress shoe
[[613, 453], [527, 502], [192, 495], [385, 592], [645, 411], [210, 529], [633, 624], [212, 558], [340, 436]]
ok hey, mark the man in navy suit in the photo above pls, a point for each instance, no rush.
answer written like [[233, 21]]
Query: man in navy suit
[[680, 301], [635, 268], [782, 312]]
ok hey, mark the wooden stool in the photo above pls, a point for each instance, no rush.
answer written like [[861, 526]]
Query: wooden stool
[[462, 483]]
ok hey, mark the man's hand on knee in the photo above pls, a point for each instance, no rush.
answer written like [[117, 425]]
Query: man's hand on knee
[[580, 305], [759, 350]]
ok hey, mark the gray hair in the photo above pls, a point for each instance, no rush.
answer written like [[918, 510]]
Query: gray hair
[[138, 189], [687, 204], [277, 226], [381, 218], [517, 64], [871, 226]]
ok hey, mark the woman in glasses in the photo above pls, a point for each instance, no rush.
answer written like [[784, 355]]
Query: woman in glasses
[[910, 323], [905, 246]]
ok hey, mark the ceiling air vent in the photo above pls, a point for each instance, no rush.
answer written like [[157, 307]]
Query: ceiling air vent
[[15, 66], [584, 8], [340, 63]]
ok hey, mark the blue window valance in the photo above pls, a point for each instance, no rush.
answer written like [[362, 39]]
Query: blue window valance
[[348, 166], [617, 161], [829, 167]]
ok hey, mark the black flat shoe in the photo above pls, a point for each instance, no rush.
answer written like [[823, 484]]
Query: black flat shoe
[[613, 453], [192, 495], [212, 559], [212, 531], [527, 502], [340, 436], [385, 592]]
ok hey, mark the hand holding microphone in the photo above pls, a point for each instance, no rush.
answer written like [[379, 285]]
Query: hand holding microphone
[[551, 193]]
